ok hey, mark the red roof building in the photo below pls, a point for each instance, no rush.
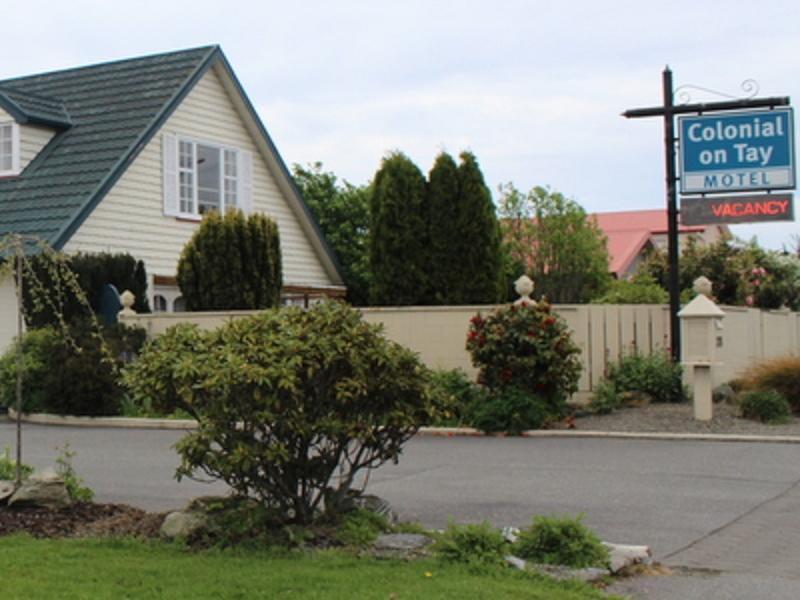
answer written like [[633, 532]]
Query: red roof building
[[632, 233]]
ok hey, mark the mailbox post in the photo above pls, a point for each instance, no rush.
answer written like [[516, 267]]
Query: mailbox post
[[701, 322]]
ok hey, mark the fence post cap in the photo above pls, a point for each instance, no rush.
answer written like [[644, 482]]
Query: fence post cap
[[524, 287], [127, 299], [702, 285]]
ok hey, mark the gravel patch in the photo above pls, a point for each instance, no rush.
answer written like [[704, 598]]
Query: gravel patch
[[679, 418]]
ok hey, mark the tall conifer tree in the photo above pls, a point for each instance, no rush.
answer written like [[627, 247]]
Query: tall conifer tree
[[445, 216], [399, 243], [466, 263], [478, 245]]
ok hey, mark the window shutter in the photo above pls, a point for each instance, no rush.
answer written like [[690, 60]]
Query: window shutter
[[170, 151], [245, 170]]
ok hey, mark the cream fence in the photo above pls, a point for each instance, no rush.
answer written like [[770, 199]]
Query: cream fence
[[604, 333]]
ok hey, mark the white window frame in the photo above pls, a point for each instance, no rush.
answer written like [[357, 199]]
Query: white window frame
[[15, 149], [195, 200]]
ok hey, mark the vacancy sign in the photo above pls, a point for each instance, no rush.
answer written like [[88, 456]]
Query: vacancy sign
[[737, 209], [737, 151]]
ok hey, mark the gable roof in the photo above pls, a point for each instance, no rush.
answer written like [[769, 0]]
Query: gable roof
[[630, 231], [106, 114]]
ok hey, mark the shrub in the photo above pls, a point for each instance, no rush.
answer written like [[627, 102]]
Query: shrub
[[232, 262], [528, 348], [8, 467], [781, 374], [36, 346], [480, 545], [75, 372], [92, 272], [74, 484], [361, 527], [561, 541], [285, 400], [457, 393], [642, 290], [765, 406], [508, 409], [654, 375]]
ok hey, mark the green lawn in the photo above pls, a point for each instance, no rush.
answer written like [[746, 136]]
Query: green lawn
[[109, 568]]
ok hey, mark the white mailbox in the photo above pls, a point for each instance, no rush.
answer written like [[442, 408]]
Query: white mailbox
[[702, 325], [701, 322]]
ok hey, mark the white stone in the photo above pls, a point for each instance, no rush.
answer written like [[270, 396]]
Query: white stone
[[623, 555], [181, 524]]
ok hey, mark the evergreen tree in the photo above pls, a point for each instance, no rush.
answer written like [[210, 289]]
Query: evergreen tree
[[466, 266], [232, 263], [399, 243], [444, 208], [480, 277]]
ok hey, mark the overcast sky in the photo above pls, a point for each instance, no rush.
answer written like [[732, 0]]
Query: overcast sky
[[535, 89]]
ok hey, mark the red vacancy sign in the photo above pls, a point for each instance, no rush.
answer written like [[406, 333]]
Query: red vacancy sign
[[737, 209]]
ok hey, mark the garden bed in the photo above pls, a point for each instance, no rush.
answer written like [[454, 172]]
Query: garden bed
[[679, 418]]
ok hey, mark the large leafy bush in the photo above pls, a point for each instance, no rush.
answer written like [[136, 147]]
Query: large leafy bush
[[291, 404], [232, 262], [528, 348]]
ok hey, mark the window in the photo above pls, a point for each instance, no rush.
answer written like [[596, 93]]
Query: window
[[159, 303], [200, 176], [9, 149], [207, 178]]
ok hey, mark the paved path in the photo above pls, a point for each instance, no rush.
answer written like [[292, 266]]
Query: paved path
[[731, 507]]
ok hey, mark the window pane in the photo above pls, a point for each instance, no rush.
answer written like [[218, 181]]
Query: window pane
[[5, 147], [208, 178], [230, 163], [185, 157]]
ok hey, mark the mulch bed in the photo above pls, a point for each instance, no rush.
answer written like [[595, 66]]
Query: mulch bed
[[679, 418], [80, 520]]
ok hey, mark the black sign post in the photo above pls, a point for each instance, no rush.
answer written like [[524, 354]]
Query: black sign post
[[668, 111]]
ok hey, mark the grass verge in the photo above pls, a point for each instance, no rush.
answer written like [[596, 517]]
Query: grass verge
[[126, 568]]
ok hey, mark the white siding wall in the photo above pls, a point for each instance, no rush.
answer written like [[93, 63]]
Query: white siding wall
[[130, 218], [32, 138], [8, 308]]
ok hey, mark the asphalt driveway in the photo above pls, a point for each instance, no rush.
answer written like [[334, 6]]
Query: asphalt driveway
[[699, 504]]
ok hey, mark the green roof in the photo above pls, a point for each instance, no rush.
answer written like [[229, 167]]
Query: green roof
[[30, 108], [104, 114]]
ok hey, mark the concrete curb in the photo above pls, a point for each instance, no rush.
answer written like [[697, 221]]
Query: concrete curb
[[187, 424]]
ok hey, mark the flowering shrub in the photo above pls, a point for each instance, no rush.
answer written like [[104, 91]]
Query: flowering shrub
[[529, 348]]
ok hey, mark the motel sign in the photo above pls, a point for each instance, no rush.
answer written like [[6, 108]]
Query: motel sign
[[737, 151]]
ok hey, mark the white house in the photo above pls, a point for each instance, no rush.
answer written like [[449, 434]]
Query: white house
[[126, 156]]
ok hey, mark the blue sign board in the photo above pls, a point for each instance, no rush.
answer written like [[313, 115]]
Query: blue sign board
[[737, 151]]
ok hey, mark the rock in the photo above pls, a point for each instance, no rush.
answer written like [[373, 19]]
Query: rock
[[368, 502], [45, 489], [623, 556], [724, 393], [182, 524], [516, 562], [400, 545], [6, 490], [561, 573]]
